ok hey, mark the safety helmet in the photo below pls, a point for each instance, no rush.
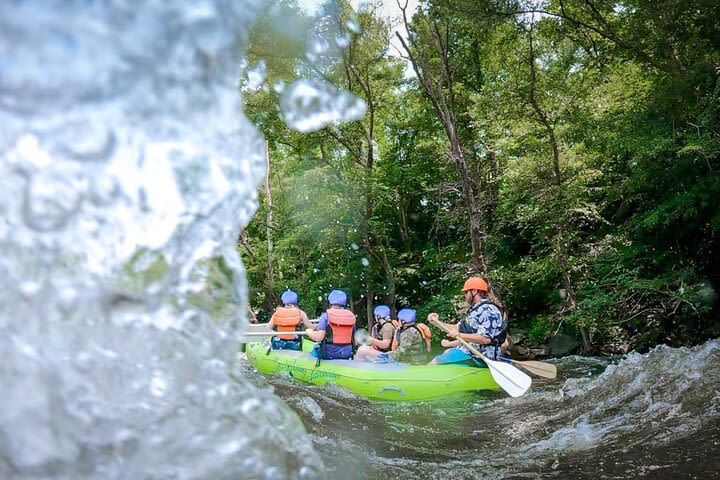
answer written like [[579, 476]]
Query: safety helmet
[[382, 311], [475, 283], [407, 315], [337, 297], [289, 297]]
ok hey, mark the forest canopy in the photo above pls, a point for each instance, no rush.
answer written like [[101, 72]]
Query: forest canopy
[[567, 150]]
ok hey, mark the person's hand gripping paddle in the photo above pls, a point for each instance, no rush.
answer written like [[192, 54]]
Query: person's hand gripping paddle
[[510, 379]]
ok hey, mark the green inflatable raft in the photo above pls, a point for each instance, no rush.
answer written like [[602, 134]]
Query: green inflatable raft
[[382, 381]]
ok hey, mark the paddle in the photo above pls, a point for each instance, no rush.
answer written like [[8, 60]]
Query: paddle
[[541, 369], [510, 379], [270, 333], [264, 325]]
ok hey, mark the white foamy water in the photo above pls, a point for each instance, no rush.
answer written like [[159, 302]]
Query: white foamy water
[[126, 169]]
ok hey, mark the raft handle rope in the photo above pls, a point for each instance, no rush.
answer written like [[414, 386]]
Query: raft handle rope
[[393, 389]]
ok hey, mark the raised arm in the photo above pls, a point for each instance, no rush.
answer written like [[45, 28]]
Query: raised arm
[[434, 317]]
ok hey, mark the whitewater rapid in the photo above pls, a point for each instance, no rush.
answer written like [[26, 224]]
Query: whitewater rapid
[[651, 416]]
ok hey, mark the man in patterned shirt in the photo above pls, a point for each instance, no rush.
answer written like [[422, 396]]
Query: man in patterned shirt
[[484, 328]]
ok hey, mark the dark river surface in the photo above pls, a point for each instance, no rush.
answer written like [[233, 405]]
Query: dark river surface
[[651, 416]]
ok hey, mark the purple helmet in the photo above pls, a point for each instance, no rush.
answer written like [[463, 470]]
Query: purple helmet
[[337, 297], [382, 311], [289, 297], [407, 315]]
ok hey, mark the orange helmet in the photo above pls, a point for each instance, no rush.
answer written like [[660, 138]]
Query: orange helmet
[[475, 283]]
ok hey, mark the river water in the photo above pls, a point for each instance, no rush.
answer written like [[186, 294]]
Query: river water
[[127, 168], [650, 416]]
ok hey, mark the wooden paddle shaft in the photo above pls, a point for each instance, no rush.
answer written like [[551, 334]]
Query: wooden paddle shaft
[[270, 333], [264, 325], [472, 349]]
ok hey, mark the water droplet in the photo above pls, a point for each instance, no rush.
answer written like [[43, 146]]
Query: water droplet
[[255, 76], [353, 26], [125, 442], [365, 262], [30, 153], [318, 46], [29, 288], [83, 361], [309, 106], [51, 198], [343, 40], [158, 385], [355, 246], [231, 447]]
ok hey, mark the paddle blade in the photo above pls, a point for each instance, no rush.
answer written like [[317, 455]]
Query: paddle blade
[[541, 369], [510, 379]]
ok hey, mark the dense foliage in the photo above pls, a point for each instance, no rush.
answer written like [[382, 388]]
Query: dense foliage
[[590, 133]]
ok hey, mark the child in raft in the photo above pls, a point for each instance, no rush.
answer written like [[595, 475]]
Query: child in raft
[[288, 319], [382, 333], [411, 342]]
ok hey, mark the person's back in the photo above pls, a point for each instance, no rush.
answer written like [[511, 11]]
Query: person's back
[[334, 330], [288, 318], [411, 342]]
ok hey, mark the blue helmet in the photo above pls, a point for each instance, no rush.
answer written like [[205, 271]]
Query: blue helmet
[[289, 297], [407, 315], [337, 297], [382, 311]]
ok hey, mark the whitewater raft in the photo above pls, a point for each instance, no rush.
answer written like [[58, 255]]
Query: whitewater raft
[[381, 381]]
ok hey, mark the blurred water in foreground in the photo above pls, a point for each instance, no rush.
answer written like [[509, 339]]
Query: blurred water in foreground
[[126, 170]]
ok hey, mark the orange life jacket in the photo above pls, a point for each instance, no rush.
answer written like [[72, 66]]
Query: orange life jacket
[[420, 327], [287, 319], [340, 323]]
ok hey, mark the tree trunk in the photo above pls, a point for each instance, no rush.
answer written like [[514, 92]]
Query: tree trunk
[[252, 318], [390, 276], [440, 91], [476, 231], [244, 241], [270, 277], [369, 304]]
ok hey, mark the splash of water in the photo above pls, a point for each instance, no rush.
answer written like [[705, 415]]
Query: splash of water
[[309, 105], [127, 168]]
